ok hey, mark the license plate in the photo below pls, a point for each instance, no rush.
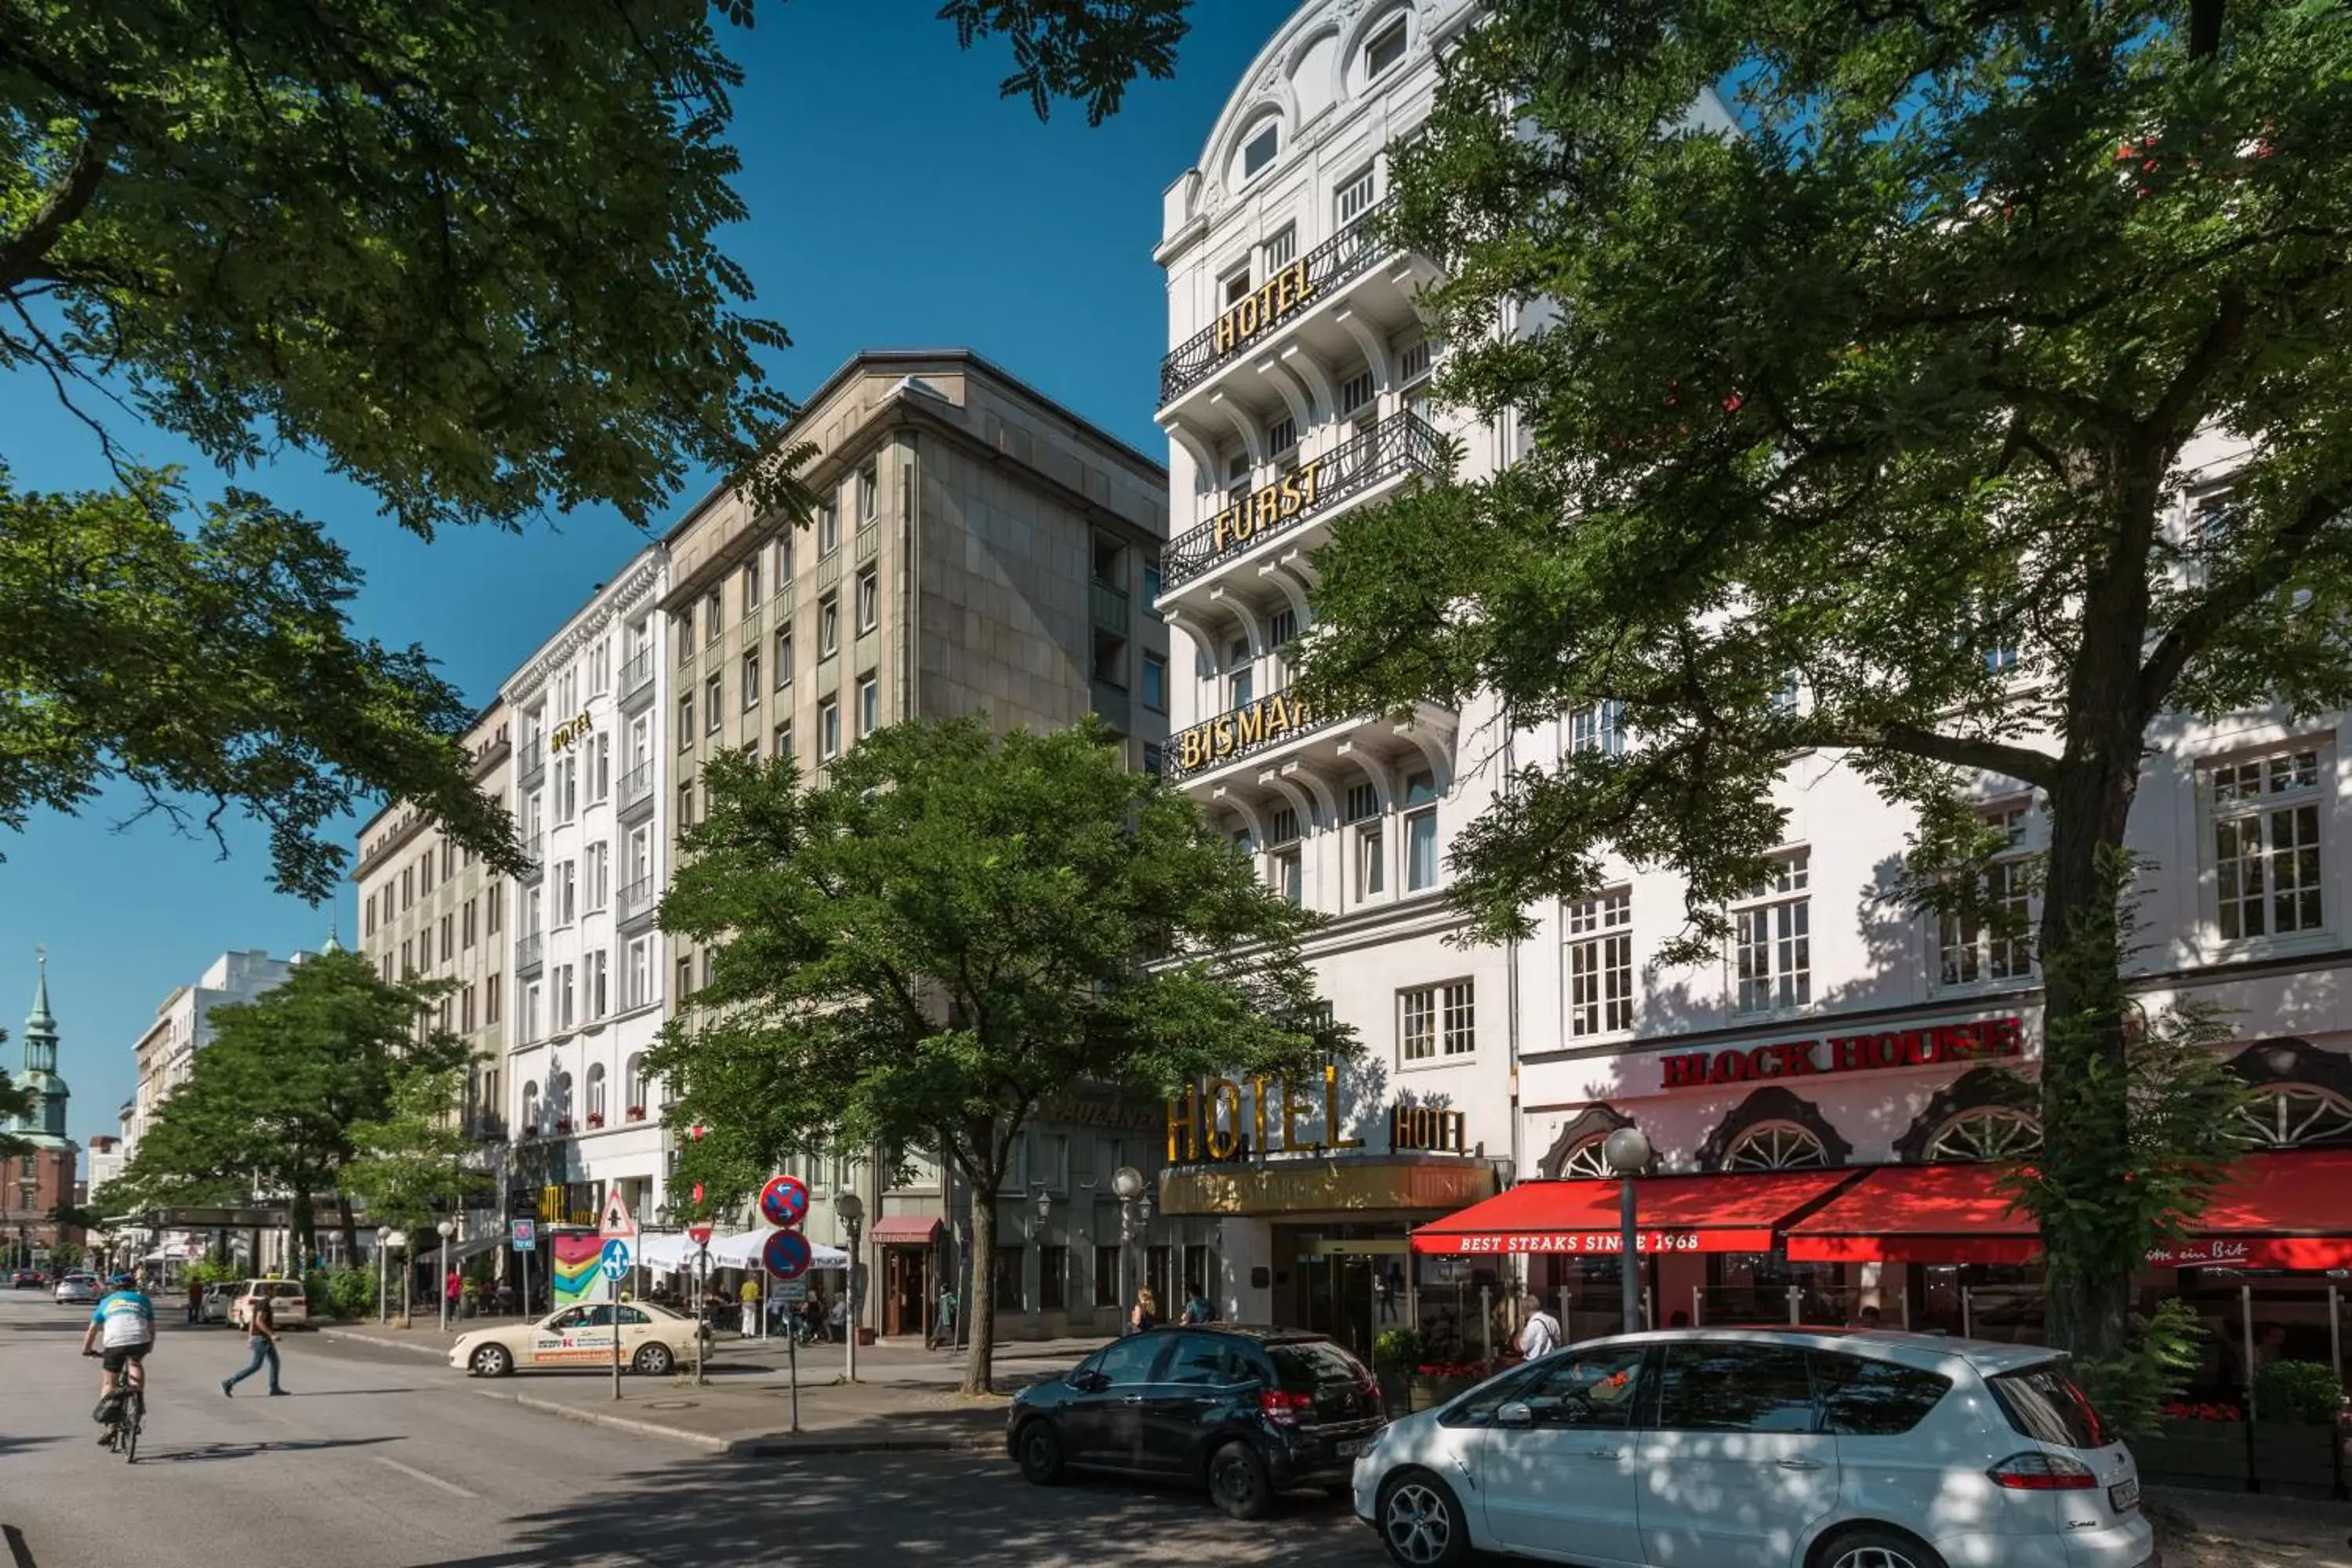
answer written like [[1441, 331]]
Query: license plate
[[2124, 1495], [1347, 1450]]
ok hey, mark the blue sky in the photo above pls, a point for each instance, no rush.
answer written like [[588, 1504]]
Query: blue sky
[[896, 202]]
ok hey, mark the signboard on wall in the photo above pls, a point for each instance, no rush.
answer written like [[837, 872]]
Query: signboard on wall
[[1985, 1039]]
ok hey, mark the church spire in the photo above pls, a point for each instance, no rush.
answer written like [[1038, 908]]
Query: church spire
[[40, 1019], [47, 1124]]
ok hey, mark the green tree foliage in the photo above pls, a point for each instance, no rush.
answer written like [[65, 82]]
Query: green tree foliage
[[1089, 50], [465, 255], [949, 930], [276, 1103], [417, 1163], [1898, 374], [16, 1104]]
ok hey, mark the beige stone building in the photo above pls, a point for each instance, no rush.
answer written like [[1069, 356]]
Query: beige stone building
[[977, 548], [431, 909]]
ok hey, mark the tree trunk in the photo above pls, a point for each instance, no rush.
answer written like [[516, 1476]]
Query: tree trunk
[[302, 1225], [350, 1228], [979, 1311]]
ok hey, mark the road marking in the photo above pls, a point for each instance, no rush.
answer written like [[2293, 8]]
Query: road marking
[[414, 1474]]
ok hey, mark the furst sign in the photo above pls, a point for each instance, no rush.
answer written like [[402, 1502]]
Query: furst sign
[[1986, 1038]]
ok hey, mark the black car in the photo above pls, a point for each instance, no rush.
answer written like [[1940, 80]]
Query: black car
[[1245, 1412]]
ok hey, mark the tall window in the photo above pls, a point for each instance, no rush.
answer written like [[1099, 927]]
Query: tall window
[[685, 805], [869, 600], [828, 529], [714, 617], [633, 1082], [1155, 682], [1354, 196], [640, 980], [1281, 250], [1358, 391], [828, 626], [783, 657], [1993, 942], [784, 751], [686, 721], [1601, 963], [1437, 1021], [714, 702], [752, 583], [869, 493], [750, 678], [1244, 685], [1773, 939], [567, 786], [1420, 832], [2266, 859], [599, 766], [599, 984], [1599, 730], [567, 893], [1371, 859], [567, 999], [1384, 48], [828, 729], [599, 874], [1289, 876], [869, 706], [596, 1092]]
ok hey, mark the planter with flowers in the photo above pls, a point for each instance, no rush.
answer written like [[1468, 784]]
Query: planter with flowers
[[2202, 1445], [1395, 1354], [2293, 1448], [595, 1119], [1436, 1382], [563, 1124], [636, 1113], [531, 1129]]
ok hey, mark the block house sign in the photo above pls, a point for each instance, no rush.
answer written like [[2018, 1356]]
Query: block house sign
[[1987, 1039]]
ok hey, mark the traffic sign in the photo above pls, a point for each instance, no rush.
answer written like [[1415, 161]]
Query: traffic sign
[[617, 1224], [784, 1201], [616, 1261], [790, 1292], [526, 1235], [786, 1255], [701, 1232]]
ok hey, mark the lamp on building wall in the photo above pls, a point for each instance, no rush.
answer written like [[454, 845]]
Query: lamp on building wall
[[850, 1209], [1627, 1153]]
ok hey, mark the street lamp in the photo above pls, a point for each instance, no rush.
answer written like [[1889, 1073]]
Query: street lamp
[[851, 1208], [382, 1279], [447, 1227], [1127, 1183], [1627, 1153]]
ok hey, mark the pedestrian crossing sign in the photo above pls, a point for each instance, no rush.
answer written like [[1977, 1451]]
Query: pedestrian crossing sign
[[617, 1224]]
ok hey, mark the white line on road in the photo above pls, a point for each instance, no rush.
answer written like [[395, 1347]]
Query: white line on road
[[414, 1474]]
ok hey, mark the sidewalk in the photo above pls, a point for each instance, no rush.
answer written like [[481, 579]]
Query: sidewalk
[[2235, 1529]]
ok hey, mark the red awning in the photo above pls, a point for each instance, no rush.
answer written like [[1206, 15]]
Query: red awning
[[2289, 1209], [907, 1229], [1918, 1214], [1731, 1212]]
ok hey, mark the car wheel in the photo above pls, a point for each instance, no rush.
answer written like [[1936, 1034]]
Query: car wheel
[[1421, 1522], [654, 1360], [1238, 1483], [1040, 1449], [492, 1361], [1872, 1547]]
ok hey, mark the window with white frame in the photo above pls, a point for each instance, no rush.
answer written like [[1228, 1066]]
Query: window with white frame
[[599, 874], [1773, 939], [1288, 879], [1601, 963], [599, 985], [1420, 832], [869, 706], [1281, 250], [869, 600], [828, 731], [1358, 391], [567, 997], [567, 892], [714, 702], [1385, 49], [567, 787], [828, 529], [634, 1083], [534, 1017], [531, 1106], [2267, 816], [1354, 196], [1436, 1021], [1259, 149], [600, 768], [1282, 435], [1598, 729], [869, 493], [640, 976], [1994, 940]]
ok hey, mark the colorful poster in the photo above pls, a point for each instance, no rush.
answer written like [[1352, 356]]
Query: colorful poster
[[576, 1277]]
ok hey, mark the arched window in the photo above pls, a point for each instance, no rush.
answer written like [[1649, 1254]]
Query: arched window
[[1775, 1146], [2281, 1115], [530, 1109], [639, 1097], [596, 1095], [559, 1100], [1586, 1161], [1987, 1132]]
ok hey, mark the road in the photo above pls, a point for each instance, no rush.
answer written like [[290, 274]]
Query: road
[[380, 1459]]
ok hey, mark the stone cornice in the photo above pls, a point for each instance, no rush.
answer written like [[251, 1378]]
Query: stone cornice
[[634, 589]]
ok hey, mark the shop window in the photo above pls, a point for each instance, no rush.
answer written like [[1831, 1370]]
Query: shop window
[[1777, 1146], [1053, 1278], [2266, 844], [1601, 963], [1007, 1273], [1989, 1132], [2283, 1115], [1106, 1276], [1994, 942], [1773, 939]]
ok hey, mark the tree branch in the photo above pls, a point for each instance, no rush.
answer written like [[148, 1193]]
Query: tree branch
[[2231, 598], [2205, 27], [2020, 763], [2221, 340], [65, 203]]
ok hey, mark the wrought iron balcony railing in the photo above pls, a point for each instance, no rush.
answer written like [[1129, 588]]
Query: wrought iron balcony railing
[[635, 785], [1400, 444], [530, 952], [1254, 726], [638, 897], [1290, 290], [637, 673]]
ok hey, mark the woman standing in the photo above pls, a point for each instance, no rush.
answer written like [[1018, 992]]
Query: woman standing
[[1146, 1312]]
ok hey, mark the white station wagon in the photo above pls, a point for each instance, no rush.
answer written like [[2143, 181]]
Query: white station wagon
[[1763, 1448]]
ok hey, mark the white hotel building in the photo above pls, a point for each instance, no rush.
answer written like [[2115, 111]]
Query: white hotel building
[[589, 801]]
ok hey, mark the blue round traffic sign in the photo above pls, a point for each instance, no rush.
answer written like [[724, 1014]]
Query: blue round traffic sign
[[784, 1201], [616, 1259], [786, 1255]]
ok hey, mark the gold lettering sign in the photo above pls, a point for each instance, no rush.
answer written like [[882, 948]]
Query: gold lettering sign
[[1426, 1127], [572, 729], [1206, 1121], [1279, 502], [1214, 740], [1258, 310]]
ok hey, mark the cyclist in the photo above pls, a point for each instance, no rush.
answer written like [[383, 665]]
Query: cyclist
[[123, 1327]]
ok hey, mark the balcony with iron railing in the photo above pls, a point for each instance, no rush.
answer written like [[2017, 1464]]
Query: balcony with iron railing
[[1282, 729], [533, 767], [637, 674], [1294, 292], [636, 788], [1304, 501], [531, 954], [637, 901], [534, 850]]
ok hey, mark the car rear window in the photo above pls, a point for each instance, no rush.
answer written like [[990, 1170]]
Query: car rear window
[[1305, 1365], [1862, 1397], [2043, 1402]]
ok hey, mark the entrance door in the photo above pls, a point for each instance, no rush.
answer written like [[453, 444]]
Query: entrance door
[[906, 1286]]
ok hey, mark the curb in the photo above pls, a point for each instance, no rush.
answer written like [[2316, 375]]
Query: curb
[[380, 1343], [753, 1447]]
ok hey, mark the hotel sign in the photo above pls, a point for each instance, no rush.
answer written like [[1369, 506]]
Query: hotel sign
[[1207, 1122], [576, 727], [1255, 724], [1989, 1038], [1278, 502], [1258, 310], [1424, 1127]]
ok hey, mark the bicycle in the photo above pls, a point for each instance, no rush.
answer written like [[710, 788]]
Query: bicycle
[[121, 1435]]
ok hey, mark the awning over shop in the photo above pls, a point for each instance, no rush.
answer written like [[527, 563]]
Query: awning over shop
[[2289, 1209], [1727, 1212], [907, 1229]]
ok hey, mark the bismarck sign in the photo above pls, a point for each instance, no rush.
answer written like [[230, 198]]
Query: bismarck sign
[[1255, 724], [1986, 1038]]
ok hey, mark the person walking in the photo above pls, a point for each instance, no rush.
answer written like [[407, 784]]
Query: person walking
[[1145, 1314], [262, 1325], [749, 1295], [453, 1294], [836, 1317], [1541, 1335], [943, 1330], [195, 1299], [1198, 1308]]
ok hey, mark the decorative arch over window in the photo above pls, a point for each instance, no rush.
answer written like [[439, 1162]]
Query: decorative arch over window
[[1988, 1133], [1800, 1137], [2288, 1115], [1978, 1090], [1576, 1152]]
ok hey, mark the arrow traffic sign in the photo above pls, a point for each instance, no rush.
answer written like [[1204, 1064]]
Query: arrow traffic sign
[[616, 1259], [784, 1201], [786, 1255]]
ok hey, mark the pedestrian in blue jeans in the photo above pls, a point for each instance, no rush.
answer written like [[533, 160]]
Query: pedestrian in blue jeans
[[263, 1327]]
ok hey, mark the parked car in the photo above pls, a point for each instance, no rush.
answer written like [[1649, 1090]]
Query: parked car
[[77, 1289], [1739, 1449], [653, 1339], [27, 1279], [289, 1304], [1245, 1412], [219, 1301]]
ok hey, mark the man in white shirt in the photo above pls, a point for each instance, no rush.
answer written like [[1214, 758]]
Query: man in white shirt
[[1541, 1334]]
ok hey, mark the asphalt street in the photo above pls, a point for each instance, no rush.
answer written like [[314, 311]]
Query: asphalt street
[[380, 1459]]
